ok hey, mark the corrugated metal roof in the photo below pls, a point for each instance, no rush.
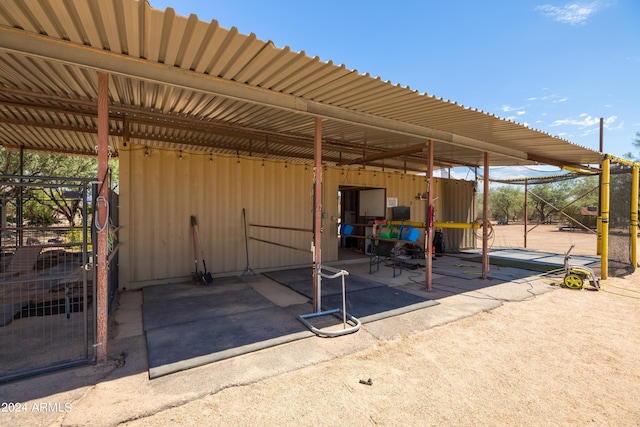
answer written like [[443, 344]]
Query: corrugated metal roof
[[192, 84]]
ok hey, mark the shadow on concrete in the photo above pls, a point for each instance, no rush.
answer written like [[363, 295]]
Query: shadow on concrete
[[189, 325]]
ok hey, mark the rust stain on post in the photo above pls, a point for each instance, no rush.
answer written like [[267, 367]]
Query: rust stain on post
[[485, 220], [102, 233], [317, 219]]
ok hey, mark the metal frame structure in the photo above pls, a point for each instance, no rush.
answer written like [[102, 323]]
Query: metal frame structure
[[43, 333], [347, 319], [128, 73]]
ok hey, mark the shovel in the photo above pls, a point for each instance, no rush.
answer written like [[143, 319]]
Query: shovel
[[206, 276], [197, 274], [247, 271]]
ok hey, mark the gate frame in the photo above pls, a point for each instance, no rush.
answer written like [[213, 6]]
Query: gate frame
[[82, 184]]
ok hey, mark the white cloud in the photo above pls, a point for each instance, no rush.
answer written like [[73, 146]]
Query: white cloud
[[509, 109], [572, 13], [610, 120], [584, 121], [555, 98], [620, 126]]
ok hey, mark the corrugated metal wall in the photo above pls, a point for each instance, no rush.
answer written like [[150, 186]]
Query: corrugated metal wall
[[455, 207], [162, 188]]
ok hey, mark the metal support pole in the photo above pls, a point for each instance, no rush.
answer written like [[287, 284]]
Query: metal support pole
[[634, 217], [20, 204], [430, 222], [526, 211], [601, 134], [102, 234], [599, 217], [485, 220], [317, 217], [604, 250]]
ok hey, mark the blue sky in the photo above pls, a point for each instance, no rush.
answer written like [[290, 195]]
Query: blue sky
[[556, 66]]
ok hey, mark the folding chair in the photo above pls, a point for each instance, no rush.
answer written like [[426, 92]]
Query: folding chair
[[383, 251]]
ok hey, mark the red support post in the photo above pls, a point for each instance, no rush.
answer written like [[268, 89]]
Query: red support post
[[526, 211], [485, 220], [317, 218], [102, 232], [430, 221]]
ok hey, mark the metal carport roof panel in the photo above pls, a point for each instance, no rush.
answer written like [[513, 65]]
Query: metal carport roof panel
[[179, 81]]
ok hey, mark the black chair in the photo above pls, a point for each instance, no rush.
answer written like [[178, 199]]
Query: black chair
[[386, 250]]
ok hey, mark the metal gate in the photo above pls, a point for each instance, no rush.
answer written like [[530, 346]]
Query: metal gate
[[47, 306]]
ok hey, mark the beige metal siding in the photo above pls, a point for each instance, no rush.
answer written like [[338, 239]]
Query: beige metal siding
[[456, 206], [161, 189]]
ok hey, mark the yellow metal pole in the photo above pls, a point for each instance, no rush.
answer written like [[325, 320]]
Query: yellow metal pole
[[604, 209], [634, 217], [599, 232], [438, 224]]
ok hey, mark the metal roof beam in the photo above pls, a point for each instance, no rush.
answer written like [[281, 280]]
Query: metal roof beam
[[386, 154], [553, 162], [128, 116]]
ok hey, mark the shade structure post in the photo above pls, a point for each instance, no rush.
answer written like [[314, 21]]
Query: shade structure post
[[485, 219], [634, 217], [526, 211], [102, 232], [429, 223], [317, 217], [604, 211]]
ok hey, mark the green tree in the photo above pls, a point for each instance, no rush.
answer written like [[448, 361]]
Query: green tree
[[636, 143], [562, 199], [582, 192], [506, 202], [38, 214], [544, 197], [51, 165], [67, 166]]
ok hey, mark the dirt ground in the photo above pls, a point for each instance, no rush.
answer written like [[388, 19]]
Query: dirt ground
[[545, 237], [561, 358]]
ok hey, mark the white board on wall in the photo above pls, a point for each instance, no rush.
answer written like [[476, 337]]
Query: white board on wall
[[373, 202]]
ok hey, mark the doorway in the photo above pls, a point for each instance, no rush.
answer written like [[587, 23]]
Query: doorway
[[359, 207]]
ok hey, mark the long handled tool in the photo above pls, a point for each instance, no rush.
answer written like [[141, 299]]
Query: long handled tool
[[197, 274], [247, 271], [206, 276]]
